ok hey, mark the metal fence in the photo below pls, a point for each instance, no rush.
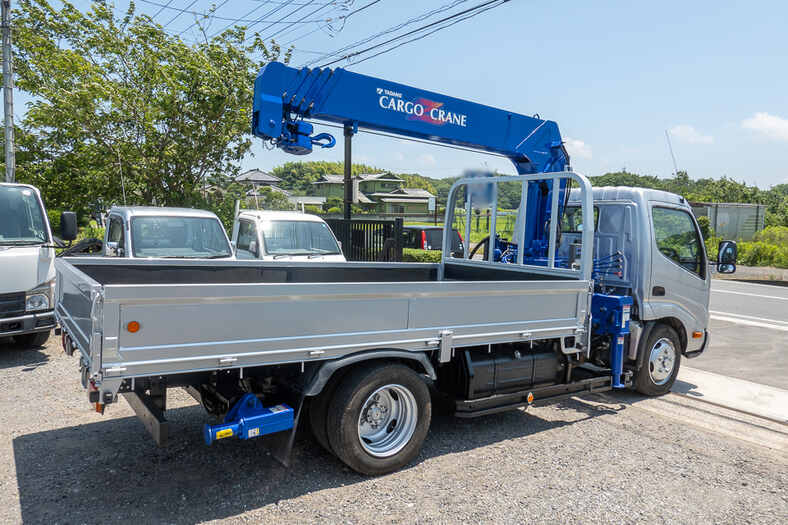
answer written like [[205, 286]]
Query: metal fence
[[369, 239], [732, 220]]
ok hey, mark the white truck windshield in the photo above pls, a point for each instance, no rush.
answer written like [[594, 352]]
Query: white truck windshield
[[178, 237], [298, 238], [21, 217]]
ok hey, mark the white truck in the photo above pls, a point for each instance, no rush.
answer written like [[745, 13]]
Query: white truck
[[146, 232], [257, 342], [27, 271], [284, 236]]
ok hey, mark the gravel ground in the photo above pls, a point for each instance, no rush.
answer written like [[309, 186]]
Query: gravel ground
[[611, 458]]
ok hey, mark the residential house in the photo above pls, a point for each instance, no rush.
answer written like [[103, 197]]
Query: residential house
[[377, 192], [254, 179]]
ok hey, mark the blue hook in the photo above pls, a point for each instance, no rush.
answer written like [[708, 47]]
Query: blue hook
[[323, 136]]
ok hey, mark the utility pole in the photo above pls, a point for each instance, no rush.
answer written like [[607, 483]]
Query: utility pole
[[8, 93], [672, 156], [348, 172]]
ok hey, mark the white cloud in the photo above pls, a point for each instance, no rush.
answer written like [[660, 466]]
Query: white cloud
[[690, 135], [427, 160], [771, 126], [577, 148]]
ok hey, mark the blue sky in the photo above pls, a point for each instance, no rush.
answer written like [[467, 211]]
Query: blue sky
[[614, 75]]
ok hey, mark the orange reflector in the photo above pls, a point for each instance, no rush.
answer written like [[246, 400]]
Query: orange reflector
[[530, 397], [133, 327], [697, 335]]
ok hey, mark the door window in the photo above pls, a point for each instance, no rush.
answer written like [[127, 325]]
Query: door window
[[678, 239], [246, 245], [116, 234]]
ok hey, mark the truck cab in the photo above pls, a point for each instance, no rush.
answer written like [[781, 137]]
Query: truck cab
[[284, 236], [144, 232], [664, 268], [27, 273]]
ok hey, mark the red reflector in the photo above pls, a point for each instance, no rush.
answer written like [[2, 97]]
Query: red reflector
[[697, 335], [423, 240]]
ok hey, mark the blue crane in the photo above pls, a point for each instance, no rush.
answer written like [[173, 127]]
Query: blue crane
[[285, 97]]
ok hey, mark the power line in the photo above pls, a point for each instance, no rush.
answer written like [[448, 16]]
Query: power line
[[180, 13], [266, 28], [390, 30], [432, 24], [429, 33], [162, 8], [188, 11], [331, 29], [292, 24], [213, 14]]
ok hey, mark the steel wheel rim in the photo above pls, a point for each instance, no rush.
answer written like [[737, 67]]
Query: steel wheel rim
[[387, 420], [661, 361]]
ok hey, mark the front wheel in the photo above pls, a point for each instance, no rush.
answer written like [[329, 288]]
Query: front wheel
[[660, 363], [378, 418]]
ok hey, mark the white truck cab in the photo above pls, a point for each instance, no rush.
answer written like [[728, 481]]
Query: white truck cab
[[284, 236], [144, 232], [27, 272]]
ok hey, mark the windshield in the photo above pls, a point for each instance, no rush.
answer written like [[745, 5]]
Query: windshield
[[181, 237], [298, 238], [21, 217]]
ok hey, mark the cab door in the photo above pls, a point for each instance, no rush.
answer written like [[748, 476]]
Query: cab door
[[679, 270]]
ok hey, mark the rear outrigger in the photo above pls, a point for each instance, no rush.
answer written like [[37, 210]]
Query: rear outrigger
[[597, 289]]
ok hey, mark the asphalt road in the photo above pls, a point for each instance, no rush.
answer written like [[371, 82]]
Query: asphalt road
[[749, 333], [616, 457]]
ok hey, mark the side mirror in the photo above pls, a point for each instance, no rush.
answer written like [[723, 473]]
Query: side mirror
[[68, 225], [111, 249], [726, 257]]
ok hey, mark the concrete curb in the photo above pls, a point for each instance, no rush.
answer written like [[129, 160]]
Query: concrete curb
[[737, 394]]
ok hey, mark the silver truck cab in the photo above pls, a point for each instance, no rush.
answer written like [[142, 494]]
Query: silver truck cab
[[666, 268], [154, 232]]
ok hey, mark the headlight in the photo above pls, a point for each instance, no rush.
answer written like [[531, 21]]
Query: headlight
[[41, 297]]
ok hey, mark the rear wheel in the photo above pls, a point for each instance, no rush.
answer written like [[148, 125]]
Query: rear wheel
[[660, 363], [378, 418], [32, 340]]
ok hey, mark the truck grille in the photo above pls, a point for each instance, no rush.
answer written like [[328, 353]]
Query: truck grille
[[12, 304]]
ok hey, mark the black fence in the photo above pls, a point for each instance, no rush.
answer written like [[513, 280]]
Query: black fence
[[369, 239]]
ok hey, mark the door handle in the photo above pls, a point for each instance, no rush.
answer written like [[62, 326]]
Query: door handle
[[658, 291]]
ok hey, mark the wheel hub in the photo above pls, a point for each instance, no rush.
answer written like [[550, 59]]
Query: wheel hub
[[662, 360], [387, 420]]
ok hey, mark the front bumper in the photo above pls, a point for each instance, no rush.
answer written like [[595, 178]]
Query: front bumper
[[699, 351], [27, 324]]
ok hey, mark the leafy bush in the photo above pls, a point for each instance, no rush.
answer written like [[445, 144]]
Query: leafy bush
[[777, 235], [90, 232], [335, 210], [422, 256], [705, 227], [54, 221]]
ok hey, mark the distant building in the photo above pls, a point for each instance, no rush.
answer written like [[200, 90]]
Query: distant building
[[377, 192], [732, 220], [255, 179]]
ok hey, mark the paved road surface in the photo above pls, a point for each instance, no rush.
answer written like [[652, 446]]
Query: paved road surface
[[749, 333]]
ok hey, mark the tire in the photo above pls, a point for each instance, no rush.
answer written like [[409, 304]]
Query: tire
[[390, 442], [318, 410], [661, 362], [32, 340]]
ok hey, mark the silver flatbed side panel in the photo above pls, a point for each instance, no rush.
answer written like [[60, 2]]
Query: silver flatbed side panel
[[210, 326], [186, 263], [74, 301]]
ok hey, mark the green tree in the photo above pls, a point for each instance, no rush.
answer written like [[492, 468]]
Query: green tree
[[299, 176], [122, 96]]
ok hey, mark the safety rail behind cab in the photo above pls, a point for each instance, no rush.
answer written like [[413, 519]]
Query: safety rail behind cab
[[586, 202]]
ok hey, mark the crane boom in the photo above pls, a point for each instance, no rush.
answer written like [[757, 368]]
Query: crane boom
[[284, 97]]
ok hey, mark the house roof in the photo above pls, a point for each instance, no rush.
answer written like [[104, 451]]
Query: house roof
[[257, 177], [277, 189], [331, 178], [403, 201], [405, 193]]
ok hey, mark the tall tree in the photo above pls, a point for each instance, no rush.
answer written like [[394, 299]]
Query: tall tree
[[123, 97]]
